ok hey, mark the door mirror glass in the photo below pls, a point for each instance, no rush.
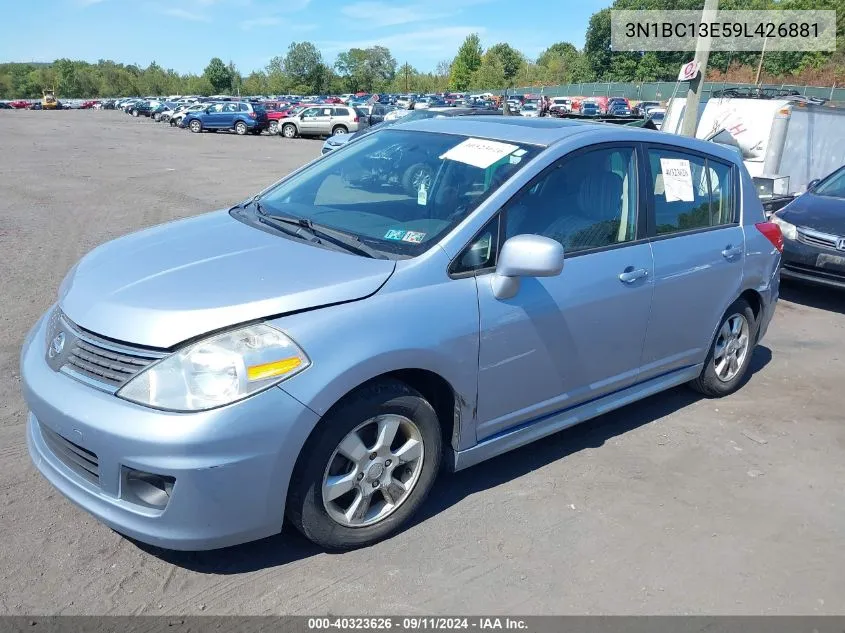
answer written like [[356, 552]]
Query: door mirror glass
[[526, 256]]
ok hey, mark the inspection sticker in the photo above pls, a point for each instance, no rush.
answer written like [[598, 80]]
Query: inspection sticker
[[479, 152], [395, 234], [413, 236], [677, 180]]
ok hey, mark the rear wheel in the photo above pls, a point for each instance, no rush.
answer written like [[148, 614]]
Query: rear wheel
[[241, 128], [134, 113], [273, 128], [339, 129], [367, 467], [289, 130], [730, 353], [196, 126]]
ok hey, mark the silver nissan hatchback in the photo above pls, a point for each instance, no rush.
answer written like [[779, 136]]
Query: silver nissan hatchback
[[319, 352]]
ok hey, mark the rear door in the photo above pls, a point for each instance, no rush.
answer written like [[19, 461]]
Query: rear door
[[699, 252]]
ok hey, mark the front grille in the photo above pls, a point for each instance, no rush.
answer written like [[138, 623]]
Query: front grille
[[818, 239], [80, 460], [102, 363]]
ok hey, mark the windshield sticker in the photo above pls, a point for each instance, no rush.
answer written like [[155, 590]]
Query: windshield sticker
[[414, 237], [479, 152], [395, 234], [677, 180]]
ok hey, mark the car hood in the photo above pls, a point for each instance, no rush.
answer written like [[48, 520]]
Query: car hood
[[164, 285], [821, 213]]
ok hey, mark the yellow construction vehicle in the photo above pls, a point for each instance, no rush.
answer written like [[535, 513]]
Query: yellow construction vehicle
[[49, 101]]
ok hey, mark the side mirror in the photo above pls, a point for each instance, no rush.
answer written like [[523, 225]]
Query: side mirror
[[525, 256], [812, 184]]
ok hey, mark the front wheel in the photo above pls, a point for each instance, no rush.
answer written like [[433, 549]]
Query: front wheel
[[196, 126], [289, 130], [240, 128], [366, 468], [730, 353], [134, 113]]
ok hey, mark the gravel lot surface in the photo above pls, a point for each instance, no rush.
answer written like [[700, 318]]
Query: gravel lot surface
[[671, 505]]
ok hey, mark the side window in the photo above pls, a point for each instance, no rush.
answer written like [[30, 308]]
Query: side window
[[341, 112], [218, 108], [689, 192], [584, 201], [722, 208], [244, 107], [327, 112], [481, 253], [311, 112]]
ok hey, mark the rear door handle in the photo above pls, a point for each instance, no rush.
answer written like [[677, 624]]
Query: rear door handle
[[629, 275], [732, 252]]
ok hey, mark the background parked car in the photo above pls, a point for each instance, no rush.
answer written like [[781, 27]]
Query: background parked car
[[813, 227], [242, 117], [321, 121]]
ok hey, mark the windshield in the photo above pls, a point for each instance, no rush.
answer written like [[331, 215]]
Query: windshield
[[398, 190], [833, 185]]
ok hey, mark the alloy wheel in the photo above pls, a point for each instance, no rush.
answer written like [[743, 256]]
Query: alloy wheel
[[373, 470], [731, 348]]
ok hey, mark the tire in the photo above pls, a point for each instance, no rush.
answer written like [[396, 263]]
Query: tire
[[716, 380], [339, 129], [157, 117], [195, 126], [289, 130], [134, 113], [320, 460], [414, 175], [240, 128], [273, 128]]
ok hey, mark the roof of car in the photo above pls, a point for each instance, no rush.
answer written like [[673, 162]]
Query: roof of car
[[547, 131]]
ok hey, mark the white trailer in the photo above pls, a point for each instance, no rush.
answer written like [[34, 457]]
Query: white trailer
[[777, 137]]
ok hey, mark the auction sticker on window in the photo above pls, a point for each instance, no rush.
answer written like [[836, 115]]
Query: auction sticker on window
[[415, 237], [395, 234], [479, 152], [677, 180]]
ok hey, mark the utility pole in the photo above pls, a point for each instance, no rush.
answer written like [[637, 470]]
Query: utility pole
[[760, 65], [696, 85], [406, 77]]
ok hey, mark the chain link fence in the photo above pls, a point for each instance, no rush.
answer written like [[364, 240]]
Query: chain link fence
[[664, 90]]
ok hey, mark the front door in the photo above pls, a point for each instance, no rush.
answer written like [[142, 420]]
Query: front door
[[308, 121], [564, 340]]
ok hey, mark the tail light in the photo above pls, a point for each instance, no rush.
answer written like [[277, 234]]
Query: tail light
[[251, 115], [355, 120], [772, 232]]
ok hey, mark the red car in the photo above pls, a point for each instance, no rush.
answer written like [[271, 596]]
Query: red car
[[87, 105], [20, 104]]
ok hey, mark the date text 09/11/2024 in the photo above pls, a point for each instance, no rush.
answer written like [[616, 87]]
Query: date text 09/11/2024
[[721, 29], [416, 623]]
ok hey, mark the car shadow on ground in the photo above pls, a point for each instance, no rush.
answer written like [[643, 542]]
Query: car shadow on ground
[[451, 488], [830, 299]]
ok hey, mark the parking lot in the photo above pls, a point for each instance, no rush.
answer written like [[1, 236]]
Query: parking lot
[[672, 505]]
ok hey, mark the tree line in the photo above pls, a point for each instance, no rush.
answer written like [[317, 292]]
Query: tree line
[[303, 69]]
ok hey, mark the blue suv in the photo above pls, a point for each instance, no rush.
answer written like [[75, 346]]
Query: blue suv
[[240, 116]]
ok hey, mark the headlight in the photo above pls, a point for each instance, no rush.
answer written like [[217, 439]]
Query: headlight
[[218, 370], [789, 231]]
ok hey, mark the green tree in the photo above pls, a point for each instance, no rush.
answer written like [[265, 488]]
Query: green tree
[[370, 69], [510, 59], [256, 83], [303, 66], [490, 75], [466, 62], [218, 75]]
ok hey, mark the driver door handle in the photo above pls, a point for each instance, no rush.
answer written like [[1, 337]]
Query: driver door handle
[[630, 275]]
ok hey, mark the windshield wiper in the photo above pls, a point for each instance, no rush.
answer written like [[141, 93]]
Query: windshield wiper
[[351, 243]]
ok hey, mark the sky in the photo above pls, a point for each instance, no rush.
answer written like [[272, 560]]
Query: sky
[[186, 34]]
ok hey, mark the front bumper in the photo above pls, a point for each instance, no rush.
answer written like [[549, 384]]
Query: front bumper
[[800, 262], [231, 465]]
